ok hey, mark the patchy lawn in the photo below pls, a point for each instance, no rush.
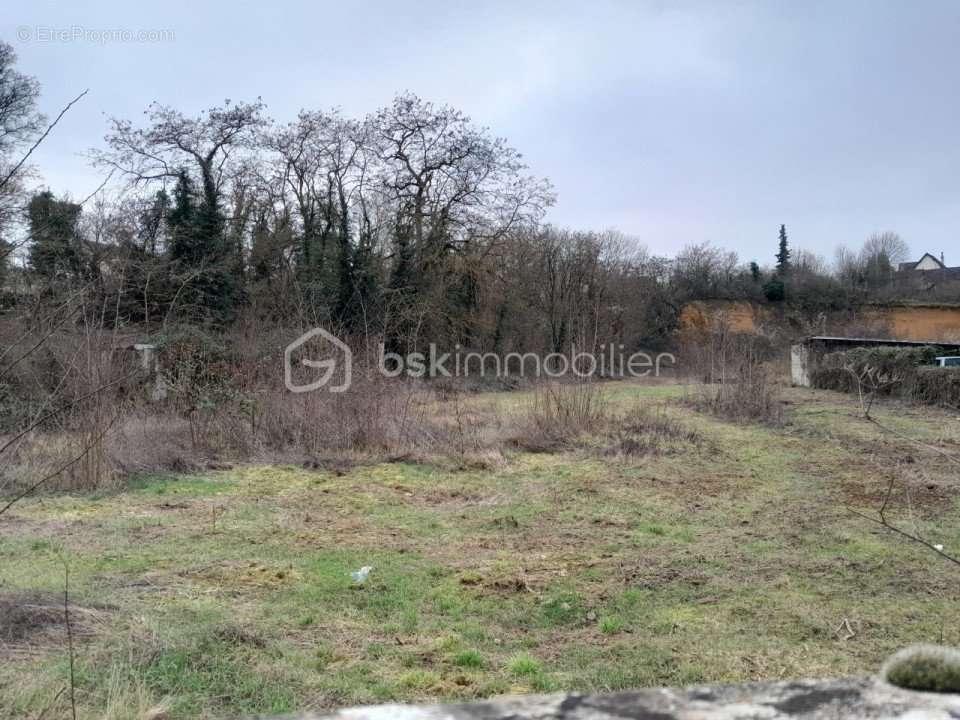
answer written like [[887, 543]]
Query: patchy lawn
[[727, 555]]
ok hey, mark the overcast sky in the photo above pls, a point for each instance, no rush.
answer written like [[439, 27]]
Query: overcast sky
[[674, 122]]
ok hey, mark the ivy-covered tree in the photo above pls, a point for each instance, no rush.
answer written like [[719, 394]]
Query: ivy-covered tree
[[201, 261], [182, 224], [146, 282], [458, 192], [55, 249], [203, 154]]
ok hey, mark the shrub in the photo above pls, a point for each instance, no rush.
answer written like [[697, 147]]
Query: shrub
[[932, 668], [611, 625], [936, 386], [733, 373], [560, 412], [747, 392], [643, 431], [468, 659], [838, 370], [907, 373], [523, 664], [774, 291]]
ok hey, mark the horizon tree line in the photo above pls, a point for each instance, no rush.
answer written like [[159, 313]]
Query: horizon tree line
[[410, 223]]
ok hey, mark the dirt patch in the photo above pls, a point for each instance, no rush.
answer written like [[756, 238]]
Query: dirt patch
[[35, 619], [15, 526], [339, 465], [234, 575], [237, 635], [927, 498], [693, 490], [173, 506], [457, 496], [495, 583]]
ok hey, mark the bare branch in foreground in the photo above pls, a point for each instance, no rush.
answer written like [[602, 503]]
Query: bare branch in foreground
[[13, 171], [913, 537]]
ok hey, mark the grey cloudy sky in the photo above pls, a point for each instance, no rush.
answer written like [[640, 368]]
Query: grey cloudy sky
[[674, 122]]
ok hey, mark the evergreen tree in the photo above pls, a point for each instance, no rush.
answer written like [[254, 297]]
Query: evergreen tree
[[151, 222], [783, 254], [402, 289], [261, 250], [55, 249], [201, 257], [774, 290], [402, 277], [6, 249], [182, 223], [754, 271], [147, 287]]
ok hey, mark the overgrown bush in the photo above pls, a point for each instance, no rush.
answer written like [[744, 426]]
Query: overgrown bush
[[754, 396], [930, 668], [733, 374], [839, 370], [560, 412], [936, 386], [906, 373], [376, 415], [80, 385], [646, 431]]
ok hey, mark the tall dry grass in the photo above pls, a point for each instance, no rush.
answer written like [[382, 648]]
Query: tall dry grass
[[61, 405], [559, 413], [733, 375]]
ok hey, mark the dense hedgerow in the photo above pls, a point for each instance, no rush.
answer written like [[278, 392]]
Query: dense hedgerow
[[910, 374]]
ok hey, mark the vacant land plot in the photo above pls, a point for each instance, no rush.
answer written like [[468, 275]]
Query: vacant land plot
[[720, 552]]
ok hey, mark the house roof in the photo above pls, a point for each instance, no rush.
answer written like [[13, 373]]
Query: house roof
[[839, 340], [845, 338], [913, 265]]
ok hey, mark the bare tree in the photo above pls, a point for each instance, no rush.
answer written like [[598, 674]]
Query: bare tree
[[19, 119], [207, 151], [887, 244], [881, 254], [20, 123], [703, 271], [454, 183], [172, 141]]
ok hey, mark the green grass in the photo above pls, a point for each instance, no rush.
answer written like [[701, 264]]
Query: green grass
[[228, 594], [469, 659], [523, 665], [611, 625]]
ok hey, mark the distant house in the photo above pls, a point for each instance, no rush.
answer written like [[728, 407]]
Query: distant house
[[927, 262], [929, 271]]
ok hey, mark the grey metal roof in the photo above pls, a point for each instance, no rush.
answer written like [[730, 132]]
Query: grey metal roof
[[880, 341]]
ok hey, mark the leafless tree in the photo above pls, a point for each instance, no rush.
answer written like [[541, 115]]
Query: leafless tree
[[209, 146], [881, 254], [703, 271], [20, 124], [19, 119], [847, 267], [887, 244], [455, 183]]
